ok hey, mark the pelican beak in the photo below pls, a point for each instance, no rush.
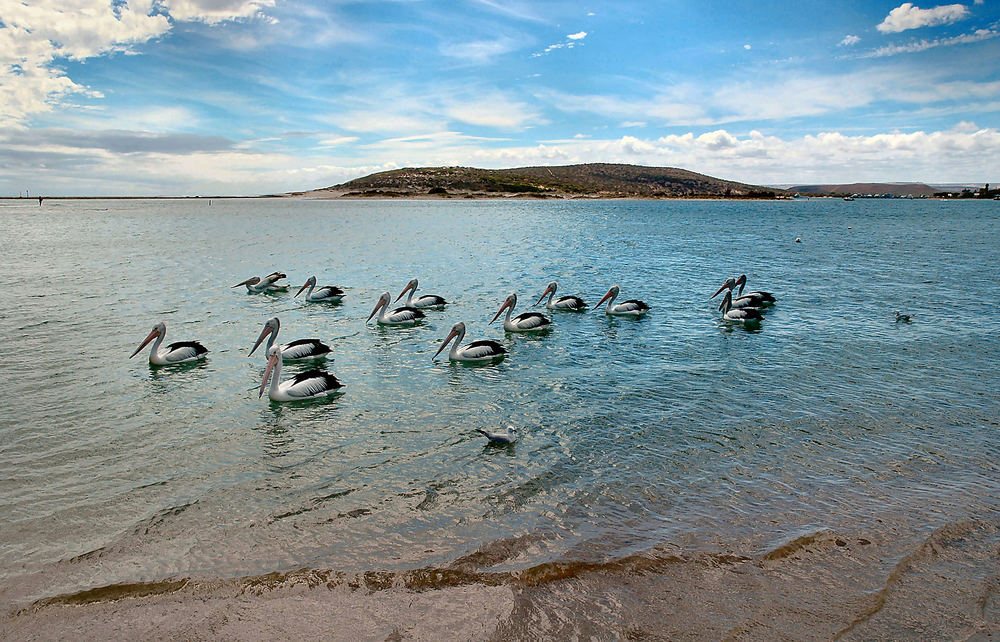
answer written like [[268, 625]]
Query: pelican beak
[[447, 340], [267, 373], [152, 335], [730, 284], [245, 282], [506, 304], [547, 290], [263, 333], [374, 310], [603, 299], [302, 289], [408, 287]]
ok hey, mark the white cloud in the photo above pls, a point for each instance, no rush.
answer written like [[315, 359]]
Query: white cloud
[[747, 47], [849, 41], [479, 51], [908, 16], [922, 45], [35, 35], [492, 110], [580, 35]]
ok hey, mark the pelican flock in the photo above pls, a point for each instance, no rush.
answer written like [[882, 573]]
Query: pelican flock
[[316, 383]]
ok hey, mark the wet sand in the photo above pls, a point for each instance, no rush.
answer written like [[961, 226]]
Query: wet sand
[[819, 586]]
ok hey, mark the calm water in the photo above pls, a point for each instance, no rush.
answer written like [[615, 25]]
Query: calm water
[[673, 429]]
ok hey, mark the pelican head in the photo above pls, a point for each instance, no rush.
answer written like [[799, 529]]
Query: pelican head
[[411, 285], [729, 284], [383, 302], [273, 359], [310, 281], [457, 330], [612, 294], [509, 302], [740, 282], [271, 325], [253, 280], [158, 330], [727, 302], [551, 287]]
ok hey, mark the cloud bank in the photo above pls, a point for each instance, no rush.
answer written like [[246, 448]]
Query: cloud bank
[[908, 16]]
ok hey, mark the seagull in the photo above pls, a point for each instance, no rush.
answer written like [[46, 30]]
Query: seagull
[[904, 318], [507, 437]]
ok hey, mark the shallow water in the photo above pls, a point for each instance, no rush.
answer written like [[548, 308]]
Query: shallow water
[[673, 430]]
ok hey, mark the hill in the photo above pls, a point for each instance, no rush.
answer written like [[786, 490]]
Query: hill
[[896, 189], [594, 180]]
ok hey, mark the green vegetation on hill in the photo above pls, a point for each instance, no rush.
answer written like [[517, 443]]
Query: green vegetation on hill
[[590, 180]]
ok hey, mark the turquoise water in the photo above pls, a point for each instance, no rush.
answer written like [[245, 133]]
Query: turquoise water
[[674, 428]]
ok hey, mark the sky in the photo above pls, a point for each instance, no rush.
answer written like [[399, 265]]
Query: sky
[[249, 97]]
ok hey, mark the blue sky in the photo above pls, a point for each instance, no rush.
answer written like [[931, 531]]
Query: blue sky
[[181, 97]]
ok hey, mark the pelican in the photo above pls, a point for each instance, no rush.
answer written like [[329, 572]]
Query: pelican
[[500, 438], [298, 350], [630, 308], [400, 316], [904, 318], [258, 284], [754, 299], [480, 351], [568, 303], [313, 384], [325, 294], [423, 302], [524, 322], [180, 352], [738, 315]]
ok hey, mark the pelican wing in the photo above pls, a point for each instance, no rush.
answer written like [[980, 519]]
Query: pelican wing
[[184, 350], [428, 300], [531, 320], [304, 348], [633, 305], [312, 383], [406, 313], [570, 302], [484, 348]]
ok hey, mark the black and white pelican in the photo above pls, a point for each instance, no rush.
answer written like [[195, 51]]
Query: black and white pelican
[[398, 317], [904, 318], [422, 302], [500, 438], [630, 308], [524, 322], [480, 351], [313, 384], [566, 303], [180, 352], [298, 350], [738, 315], [755, 299], [258, 284], [324, 294]]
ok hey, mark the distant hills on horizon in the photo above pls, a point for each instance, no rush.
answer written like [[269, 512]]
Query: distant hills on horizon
[[590, 180]]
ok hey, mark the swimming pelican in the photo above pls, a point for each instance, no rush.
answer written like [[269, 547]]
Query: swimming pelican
[[258, 284], [568, 303], [313, 384], [904, 318], [476, 351], [423, 302], [298, 350], [524, 322], [630, 308], [180, 352], [398, 317], [325, 294], [499, 438], [755, 299], [738, 315]]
